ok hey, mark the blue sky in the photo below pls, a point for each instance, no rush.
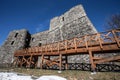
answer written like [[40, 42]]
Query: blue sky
[[35, 15]]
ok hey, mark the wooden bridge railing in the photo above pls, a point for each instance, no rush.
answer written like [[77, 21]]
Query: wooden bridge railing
[[98, 39]]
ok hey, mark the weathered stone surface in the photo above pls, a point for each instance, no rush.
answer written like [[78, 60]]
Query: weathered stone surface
[[39, 38], [17, 39]]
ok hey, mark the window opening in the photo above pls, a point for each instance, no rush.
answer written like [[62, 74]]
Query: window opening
[[40, 44], [12, 42], [33, 39], [62, 18], [16, 34]]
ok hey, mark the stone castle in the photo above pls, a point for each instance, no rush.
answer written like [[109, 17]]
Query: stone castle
[[73, 23]]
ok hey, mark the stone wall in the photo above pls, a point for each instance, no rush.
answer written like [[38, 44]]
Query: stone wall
[[17, 39], [39, 38]]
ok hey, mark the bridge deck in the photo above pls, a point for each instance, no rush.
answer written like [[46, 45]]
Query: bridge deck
[[88, 44]]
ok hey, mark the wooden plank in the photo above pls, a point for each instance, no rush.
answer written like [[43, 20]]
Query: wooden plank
[[66, 62], [86, 44], [113, 58], [100, 42], [75, 44], [115, 36], [97, 58], [93, 65], [42, 59], [60, 62]]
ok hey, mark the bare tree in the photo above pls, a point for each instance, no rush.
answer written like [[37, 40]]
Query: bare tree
[[114, 22]]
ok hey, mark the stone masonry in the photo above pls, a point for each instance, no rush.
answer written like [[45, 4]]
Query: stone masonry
[[73, 23], [17, 39]]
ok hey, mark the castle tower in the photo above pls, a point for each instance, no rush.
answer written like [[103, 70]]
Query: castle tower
[[17, 39], [73, 23]]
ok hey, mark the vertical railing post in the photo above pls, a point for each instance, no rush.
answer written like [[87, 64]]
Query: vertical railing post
[[93, 65], [66, 62], [60, 62], [26, 50], [45, 48], [99, 40], [75, 44], [42, 59], [58, 45], [66, 46], [86, 43], [116, 39], [31, 59], [51, 48], [41, 50]]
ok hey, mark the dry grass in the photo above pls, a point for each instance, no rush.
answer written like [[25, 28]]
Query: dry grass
[[70, 74]]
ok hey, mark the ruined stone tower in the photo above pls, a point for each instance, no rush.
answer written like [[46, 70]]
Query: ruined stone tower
[[17, 39], [73, 23]]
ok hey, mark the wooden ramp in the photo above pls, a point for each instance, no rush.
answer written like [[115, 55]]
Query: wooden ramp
[[99, 43]]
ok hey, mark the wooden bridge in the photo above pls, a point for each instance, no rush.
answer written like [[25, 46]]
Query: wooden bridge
[[105, 42]]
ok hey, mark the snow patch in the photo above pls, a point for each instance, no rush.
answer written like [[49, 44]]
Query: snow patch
[[51, 78], [15, 76]]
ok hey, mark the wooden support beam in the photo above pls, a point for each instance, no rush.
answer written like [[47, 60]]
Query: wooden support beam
[[66, 46], [66, 62], [113, 58], [100, 42], [75, 44], [15, 62], [93, 65], [116, 39], [51, 62], [42, 60], [21, 62], [48, 57], [58, 45], [97, 58], [60, 62], [86, 43]]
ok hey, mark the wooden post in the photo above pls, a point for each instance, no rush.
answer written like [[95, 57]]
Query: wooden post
[[93, 65], [21, 62], [58, 47], [42, 59], [66, 62], [48, 57], [66, 46], [15, 62], [100, 41], [30, 59], [75, 43], [116, 39], [39, 61], [60, 62], [86, 43]]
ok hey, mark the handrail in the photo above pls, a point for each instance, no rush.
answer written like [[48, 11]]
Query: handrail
[[84, 41]]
